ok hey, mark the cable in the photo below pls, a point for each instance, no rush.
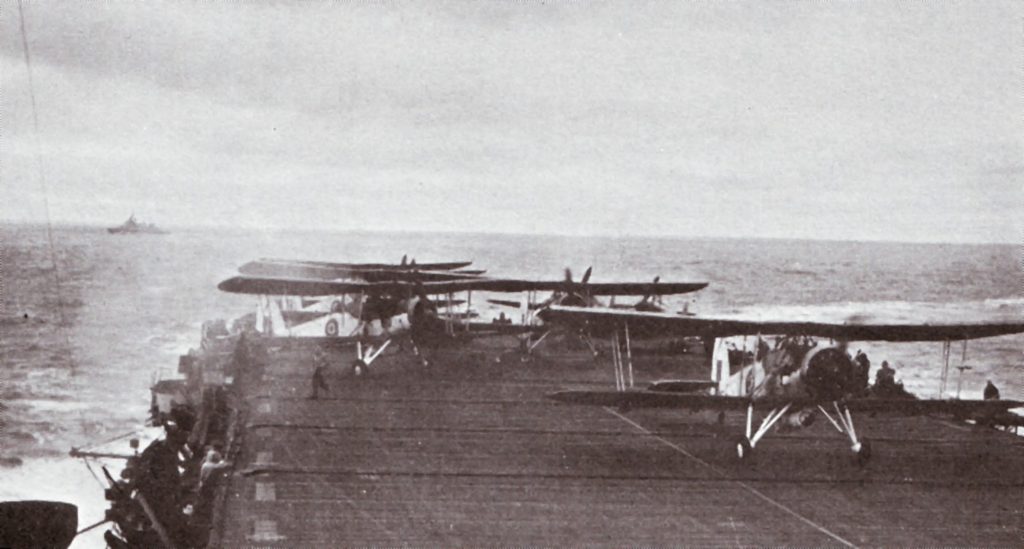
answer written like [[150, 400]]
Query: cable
[[42, 182]]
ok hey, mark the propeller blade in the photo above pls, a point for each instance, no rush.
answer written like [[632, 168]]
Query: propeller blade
[[651, 300], [586, 275]]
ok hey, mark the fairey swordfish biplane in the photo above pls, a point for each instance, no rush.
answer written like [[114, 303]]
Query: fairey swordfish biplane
[[370, 304], [807, 370]]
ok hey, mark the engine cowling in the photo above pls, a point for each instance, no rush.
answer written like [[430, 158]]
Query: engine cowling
[[828, 373], [422, 314]]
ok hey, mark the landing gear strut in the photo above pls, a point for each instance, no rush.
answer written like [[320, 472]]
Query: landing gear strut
[[861, 447], [745, 445], [743, 448], [361, 365]]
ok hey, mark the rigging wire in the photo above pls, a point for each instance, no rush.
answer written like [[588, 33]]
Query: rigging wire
[[94, 475], [42, 182]]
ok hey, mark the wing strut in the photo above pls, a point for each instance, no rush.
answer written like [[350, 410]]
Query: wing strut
[[945, 368], [620, 382], [622, 363]]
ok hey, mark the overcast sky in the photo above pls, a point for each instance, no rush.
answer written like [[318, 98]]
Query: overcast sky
[[844, 120]]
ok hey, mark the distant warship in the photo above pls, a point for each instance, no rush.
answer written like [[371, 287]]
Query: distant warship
[[132, 226]]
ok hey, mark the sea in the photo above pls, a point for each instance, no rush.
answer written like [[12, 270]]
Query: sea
[[89, 320]]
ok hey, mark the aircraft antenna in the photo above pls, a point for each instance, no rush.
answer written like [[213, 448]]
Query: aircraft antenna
[[42, 181]]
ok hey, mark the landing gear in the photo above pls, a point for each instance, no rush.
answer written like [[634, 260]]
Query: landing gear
[[361, 365], [843, 422], [743, 448], [862, 452], [360, 368], [861, 447]]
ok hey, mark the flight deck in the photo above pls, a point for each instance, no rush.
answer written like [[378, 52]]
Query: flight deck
[[469, 452]]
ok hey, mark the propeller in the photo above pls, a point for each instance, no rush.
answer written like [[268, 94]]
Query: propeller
[[574, 294], [651, 301], [571, 293]]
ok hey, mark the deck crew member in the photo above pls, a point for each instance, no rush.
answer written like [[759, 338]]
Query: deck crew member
[[863, 369], [991, 392], [211, 464], [319, 373], [886, 374]]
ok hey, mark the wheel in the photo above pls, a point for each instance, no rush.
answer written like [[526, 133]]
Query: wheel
[[743, 448], [331, 328], [360, 369], [862, 452]]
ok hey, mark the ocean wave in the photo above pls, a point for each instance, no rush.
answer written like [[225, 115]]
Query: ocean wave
[[10, 462], [19, 436], [799, 272], [23, 318]]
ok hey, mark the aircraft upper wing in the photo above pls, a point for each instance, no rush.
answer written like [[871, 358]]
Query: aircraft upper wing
[[697, 402], [278, 285], [512, 285], [268, 285], [438, 266], [856, 327], [276, 269], [275, 285]]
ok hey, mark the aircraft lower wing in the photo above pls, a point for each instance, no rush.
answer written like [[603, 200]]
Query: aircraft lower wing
[[698, 402], [856, 327]]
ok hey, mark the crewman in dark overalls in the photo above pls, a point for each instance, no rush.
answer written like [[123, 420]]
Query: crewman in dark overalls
[[885, 381], [991, 392], [863, 370], [319, 373]]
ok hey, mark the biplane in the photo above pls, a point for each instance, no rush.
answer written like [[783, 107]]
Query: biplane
[[368, 272], [387, 307], [579, 294], [807, 370]]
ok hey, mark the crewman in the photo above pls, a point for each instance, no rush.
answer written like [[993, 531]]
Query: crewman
[[991, 392], [319, 373], [886, 376], [240, 357], [863, 369], [211, 464]]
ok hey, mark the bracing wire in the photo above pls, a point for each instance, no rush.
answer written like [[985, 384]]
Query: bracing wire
[[42, 181]]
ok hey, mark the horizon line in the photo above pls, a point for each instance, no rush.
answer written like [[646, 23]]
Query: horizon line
[[327, 230]]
